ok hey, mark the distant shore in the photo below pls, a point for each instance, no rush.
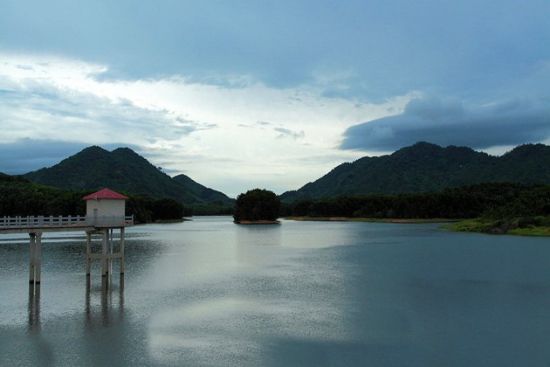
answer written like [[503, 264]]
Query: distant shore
[[455, 225], [252, 222], [376, 220], [497, 227], [164, 221]]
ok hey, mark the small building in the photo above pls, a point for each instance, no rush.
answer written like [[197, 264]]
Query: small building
[[105, 207]]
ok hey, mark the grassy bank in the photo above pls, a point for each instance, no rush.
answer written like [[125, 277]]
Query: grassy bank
[[522, 226]]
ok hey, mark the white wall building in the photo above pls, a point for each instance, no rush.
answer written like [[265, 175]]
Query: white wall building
[[105, 206]]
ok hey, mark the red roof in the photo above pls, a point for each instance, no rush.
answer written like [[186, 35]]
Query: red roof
[[105, 194]]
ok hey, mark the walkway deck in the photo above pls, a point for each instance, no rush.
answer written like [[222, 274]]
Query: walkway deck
[[33, 224]]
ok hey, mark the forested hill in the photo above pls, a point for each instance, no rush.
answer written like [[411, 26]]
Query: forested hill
[[123, 170], [425, 167]]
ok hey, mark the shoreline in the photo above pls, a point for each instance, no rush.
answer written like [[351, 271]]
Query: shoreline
[[373, 220], [256, 222], [453, 225], [493, 228]]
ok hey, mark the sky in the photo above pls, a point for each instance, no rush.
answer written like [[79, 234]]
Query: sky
[[271, 94]]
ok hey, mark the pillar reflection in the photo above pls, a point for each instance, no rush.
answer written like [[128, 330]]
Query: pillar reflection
[[104, 303], [34, 307]]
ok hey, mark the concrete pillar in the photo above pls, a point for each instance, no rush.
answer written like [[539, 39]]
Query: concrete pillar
[[38, 257], [104, 269], [88, 253], [111, 245], [32, 257], [122, 251]]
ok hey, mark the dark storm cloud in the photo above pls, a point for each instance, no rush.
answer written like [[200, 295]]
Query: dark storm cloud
[[389, 47], [450, 123]]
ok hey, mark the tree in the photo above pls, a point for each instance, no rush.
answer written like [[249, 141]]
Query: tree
[[255, 205], [166, 209]]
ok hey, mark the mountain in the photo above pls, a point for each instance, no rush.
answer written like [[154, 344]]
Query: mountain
[[206, 194], [124, 170], [425, 167]]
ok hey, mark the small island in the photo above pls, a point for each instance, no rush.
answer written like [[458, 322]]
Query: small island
[[257, 206]]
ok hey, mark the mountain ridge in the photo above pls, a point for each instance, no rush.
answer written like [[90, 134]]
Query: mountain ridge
[[125, 170], [426, 167]]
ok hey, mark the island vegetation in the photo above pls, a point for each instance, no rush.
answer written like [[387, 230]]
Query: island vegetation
[[257, 206]]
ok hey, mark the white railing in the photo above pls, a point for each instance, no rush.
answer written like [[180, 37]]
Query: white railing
[[67, 221], [110, 221]]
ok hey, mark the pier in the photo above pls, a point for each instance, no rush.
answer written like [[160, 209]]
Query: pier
[[105, 215]]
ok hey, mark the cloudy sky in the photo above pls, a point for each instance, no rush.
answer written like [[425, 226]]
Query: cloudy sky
[[241, 94]]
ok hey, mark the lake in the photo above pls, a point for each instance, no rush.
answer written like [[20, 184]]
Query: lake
[[211, 293]]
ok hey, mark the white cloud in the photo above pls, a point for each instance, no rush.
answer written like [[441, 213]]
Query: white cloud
[[176, 120]]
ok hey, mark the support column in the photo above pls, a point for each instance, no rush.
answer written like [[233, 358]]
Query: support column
[[88, 253], [38, 258], [32, 257], [122, 251], [111, 245], [104, 270]]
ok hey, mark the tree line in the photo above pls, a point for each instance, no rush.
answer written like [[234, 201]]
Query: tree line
[[492, 200], [20, 197]]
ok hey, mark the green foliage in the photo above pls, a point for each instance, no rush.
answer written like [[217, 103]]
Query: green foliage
[[426, 167], [491, 201], [166, 209], [257, 205], [19, 197], [146, 209], [215, 208], [523, 226]]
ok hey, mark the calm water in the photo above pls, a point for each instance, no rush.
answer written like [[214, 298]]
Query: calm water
[[209, 292]]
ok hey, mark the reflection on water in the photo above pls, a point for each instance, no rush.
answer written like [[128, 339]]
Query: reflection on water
[[254, 243], [34, 307], [212, 293], [103, 305], [100, 307]]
